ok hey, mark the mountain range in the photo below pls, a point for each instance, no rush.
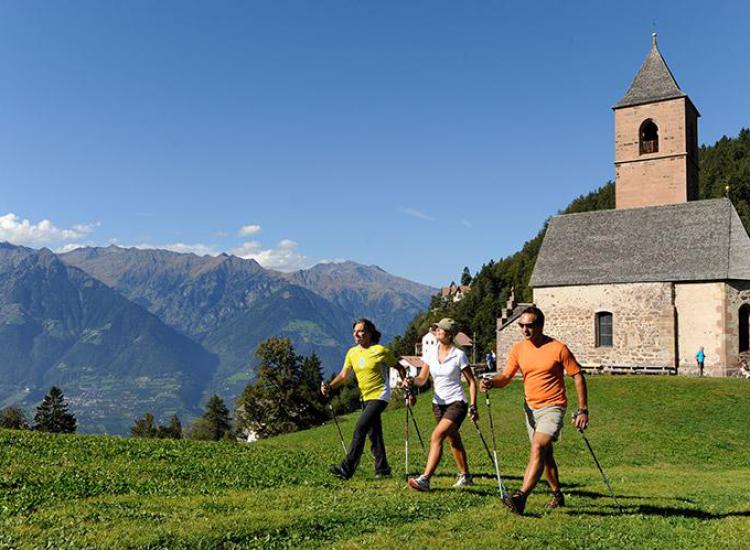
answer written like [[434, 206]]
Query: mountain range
[[125, 330]]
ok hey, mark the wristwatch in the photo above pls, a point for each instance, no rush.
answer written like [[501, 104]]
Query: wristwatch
[[582, 411], [472, 409]]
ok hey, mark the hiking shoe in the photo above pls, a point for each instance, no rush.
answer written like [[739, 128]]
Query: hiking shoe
[[420, 483], [463, 480], [516, 502], [338, 471], [557, 500]]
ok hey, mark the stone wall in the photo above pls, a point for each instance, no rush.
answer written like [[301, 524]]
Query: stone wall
[[506, 337], [643, 320], [737, 294], [702, 321]]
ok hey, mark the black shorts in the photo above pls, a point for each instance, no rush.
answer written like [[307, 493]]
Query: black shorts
[[455, 412]]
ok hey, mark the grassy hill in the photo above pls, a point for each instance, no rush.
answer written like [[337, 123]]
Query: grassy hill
[[676, 450]]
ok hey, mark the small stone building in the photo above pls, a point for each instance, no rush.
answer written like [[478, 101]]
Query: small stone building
[[647, 284]]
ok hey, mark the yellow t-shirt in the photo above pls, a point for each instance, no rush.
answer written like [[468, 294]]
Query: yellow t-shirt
[[371, 365]]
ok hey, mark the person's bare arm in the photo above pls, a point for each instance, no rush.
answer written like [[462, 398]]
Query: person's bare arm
[[340, 378], [582, 418], [424, 374], [499, 381], [469, 375]]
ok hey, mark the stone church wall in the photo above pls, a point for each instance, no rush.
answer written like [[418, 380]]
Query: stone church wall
[[703, 320], [505, 340], [737, 294], [643, 319]]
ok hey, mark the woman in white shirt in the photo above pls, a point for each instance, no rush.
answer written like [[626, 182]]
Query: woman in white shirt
[[446, 364]]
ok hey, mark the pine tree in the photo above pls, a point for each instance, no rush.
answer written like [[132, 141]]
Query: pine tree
[[466, 277], [215, 423], [144, 427], [52, 414], [173, 430], [311, 376]]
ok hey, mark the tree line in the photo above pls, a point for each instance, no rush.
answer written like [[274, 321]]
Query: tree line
[[52, 415]]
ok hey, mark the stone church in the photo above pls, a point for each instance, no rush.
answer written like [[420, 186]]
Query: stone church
[[644, 286]]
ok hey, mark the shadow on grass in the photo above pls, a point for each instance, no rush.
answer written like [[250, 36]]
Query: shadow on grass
[[660, 511], [593, 495], [483, 475]]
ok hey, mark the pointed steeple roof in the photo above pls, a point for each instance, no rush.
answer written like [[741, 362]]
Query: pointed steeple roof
[[654, 82]]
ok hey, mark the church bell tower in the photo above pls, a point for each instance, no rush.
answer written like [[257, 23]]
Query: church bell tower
[[656, 139]]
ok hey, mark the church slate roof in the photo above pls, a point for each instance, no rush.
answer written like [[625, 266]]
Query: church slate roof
[[654, 82], [693, 241]]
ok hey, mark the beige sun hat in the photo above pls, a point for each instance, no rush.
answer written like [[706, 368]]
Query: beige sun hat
[[448, 325]]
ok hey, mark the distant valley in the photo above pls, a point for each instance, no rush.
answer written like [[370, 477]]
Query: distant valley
[[125, 331]]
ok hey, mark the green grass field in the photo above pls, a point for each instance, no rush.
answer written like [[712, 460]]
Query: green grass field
[[676, 450]]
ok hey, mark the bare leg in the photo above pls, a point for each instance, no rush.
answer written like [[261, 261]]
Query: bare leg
[[539, 449], [441, 431], [550, 470], [458, 451]]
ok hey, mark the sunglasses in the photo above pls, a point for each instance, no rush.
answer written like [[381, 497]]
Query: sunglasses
[[526, 325]]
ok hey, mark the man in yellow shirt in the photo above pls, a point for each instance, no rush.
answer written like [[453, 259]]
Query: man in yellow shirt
[[542, 361], [371, 363]]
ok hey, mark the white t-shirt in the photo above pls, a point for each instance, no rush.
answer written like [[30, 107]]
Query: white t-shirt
[[446, 376]]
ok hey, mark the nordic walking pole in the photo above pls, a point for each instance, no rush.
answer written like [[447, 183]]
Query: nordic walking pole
[[325, 390], [486, 448], [338, 428], [406, 438], [598, 465], [413, 418], [500, 484]]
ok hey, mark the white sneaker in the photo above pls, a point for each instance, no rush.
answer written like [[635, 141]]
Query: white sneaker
[[420, 483], [463, 480]]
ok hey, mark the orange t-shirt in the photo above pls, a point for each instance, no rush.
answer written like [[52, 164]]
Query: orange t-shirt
[[542, 369]]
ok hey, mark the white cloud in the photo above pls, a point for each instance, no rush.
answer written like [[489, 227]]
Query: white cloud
[[69, 247], [21, 231], [283, 257], [246, 230], [413, 212], [466, 223]]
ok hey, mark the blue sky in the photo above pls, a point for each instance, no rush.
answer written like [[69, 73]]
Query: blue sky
[[419, 136]]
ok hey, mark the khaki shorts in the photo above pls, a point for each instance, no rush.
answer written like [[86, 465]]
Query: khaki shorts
[[547, 420]]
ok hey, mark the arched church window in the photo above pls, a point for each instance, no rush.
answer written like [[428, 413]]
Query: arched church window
[[604, 329], [744, 328], [649, 137]]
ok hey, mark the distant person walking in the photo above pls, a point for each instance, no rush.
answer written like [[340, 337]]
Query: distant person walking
[[371, 363], [542, 361], [700, 358], [491, 362], [446, 363]]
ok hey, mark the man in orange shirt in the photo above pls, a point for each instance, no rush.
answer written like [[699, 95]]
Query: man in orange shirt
[[543, 361]]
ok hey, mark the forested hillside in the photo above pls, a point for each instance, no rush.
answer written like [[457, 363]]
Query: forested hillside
[[726, 163]]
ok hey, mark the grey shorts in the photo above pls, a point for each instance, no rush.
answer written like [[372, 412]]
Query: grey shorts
[[547, 420]]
